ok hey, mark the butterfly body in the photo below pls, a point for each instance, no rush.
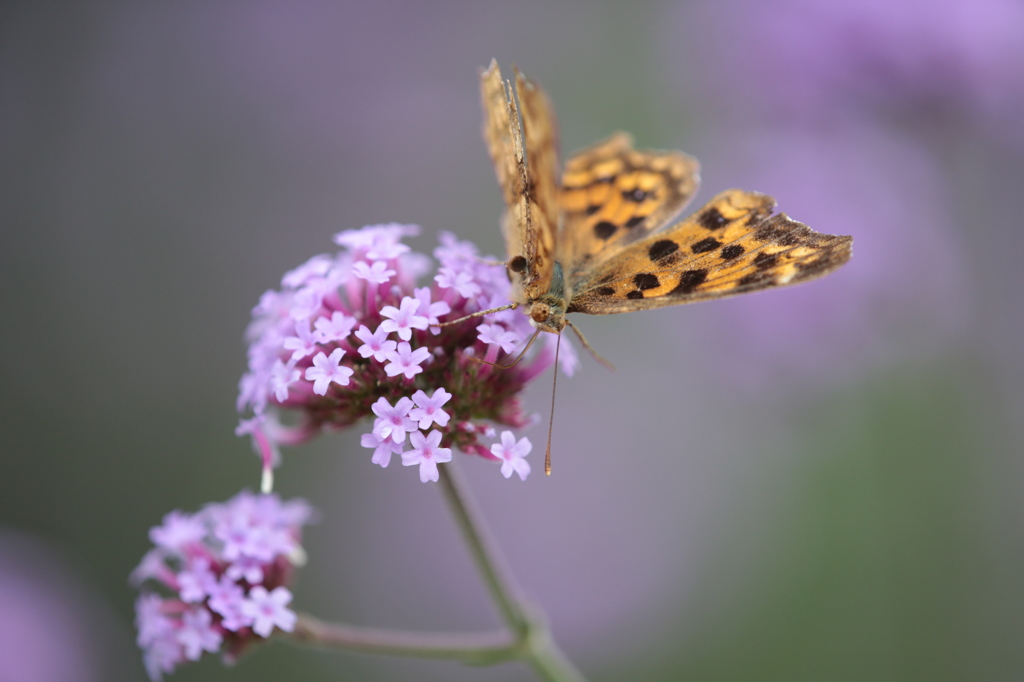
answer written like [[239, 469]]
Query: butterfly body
[[596, 237], [547, 311]]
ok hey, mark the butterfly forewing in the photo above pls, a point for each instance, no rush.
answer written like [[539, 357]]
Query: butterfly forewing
[[540, 137], [498, 131], [528, 226], [613, 195], [730, 246]]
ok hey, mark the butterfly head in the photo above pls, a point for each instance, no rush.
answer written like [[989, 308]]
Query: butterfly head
[[547, 314]]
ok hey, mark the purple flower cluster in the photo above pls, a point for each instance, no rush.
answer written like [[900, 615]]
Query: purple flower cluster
[[226, 568], [350, 336]]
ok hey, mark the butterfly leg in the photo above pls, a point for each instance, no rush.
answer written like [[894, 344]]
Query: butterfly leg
[[590, 349], [518, 357], [479, 313], [491, 262]]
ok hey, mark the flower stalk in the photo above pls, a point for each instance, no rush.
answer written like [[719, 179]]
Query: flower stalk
[[488, 558]]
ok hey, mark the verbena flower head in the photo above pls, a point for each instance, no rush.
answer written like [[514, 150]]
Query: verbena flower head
[[221, 579], [350, 336]]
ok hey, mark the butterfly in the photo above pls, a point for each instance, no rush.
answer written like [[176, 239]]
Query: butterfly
[[596, 237]]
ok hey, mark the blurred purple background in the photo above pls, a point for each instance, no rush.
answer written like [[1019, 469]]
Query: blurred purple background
[[813, 483]]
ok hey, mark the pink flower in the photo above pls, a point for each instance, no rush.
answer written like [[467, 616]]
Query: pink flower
[[375, 344], [428, 409], [377, 242], [403, 319], [453, 253], [335, 328], [461, 281], [427, 454], [394, 421], [383, 448], [311, 270], [405, 360], [303, 343], [282, 376], [268, 610], [326, 370], [431, 310], [512, 455], [150, 620], [178, 531], [197, 633], [497, 335], [376, 273], [226, 600], [196, 581]]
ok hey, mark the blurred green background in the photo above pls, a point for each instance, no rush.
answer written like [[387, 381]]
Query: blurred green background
[[819, 483]]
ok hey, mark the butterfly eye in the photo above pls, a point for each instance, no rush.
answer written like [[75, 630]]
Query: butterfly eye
[[540, 312], [517, 265]]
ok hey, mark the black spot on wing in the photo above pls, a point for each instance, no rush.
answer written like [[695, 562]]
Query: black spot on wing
[[636, 195], [764, 261], [635, 294], [604, 229], [645, 281], [732, 251], [605, 291], [690, 280], [661, 249], [634, 221], [712, 219], [592, 209], [705, 245]]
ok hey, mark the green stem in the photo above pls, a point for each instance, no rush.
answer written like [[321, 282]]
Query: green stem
[[488, 558], [474, 648]]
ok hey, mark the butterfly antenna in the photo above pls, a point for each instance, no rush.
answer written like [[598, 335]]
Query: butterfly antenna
[[490, 261], [479, 313], [590, 349], [518, 357], [551, 419]]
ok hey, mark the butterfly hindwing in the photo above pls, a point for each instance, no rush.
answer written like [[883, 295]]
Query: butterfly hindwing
[[730, 246], [613, 195]]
